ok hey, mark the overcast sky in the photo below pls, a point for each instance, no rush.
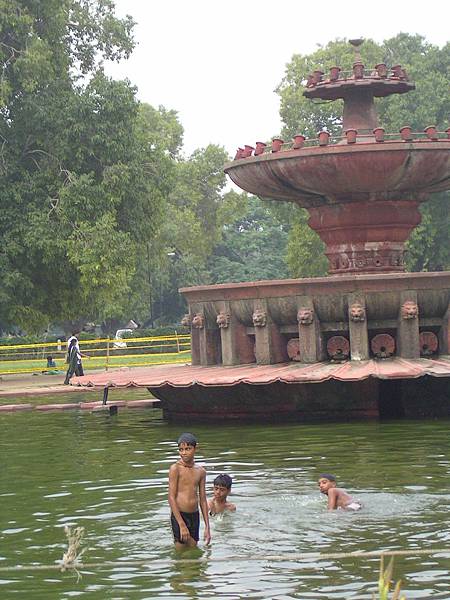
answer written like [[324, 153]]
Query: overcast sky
[[218, 63]]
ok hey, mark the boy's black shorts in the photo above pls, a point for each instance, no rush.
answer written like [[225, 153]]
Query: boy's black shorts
[[192, 521]]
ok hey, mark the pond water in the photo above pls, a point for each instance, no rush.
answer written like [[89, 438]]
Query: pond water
[[109, 475]]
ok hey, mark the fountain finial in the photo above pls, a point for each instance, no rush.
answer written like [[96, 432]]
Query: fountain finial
[[356, 43]]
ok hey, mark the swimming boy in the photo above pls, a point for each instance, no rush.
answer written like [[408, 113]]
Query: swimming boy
[[337, 497], [186, 492], [222, 487]]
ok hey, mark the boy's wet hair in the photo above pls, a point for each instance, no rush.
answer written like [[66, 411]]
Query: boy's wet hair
[[327, 476], [224, 480], [187, 438]]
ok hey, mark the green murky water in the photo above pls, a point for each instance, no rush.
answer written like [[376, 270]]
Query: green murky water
[[109, 474]]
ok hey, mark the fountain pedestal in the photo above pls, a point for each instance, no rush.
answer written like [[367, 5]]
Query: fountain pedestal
[[365, 237]]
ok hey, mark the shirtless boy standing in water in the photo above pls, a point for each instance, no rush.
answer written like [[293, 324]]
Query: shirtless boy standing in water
[[337, 497], [186, 492]]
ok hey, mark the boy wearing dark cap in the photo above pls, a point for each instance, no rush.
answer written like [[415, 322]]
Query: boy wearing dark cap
[[222, 487], [337, 497], [186, 493]]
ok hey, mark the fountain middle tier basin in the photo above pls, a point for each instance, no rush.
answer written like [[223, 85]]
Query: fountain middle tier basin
[[315, 176], [363, 198]]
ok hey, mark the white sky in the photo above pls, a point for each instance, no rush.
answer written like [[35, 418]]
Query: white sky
[[217, 63]]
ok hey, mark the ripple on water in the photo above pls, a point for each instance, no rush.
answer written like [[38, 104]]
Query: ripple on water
[[82, 470]]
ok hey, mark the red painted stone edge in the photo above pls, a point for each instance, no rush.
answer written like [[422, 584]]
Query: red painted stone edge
[[88, 405], [79, 405], [142, 403], [57, 406]]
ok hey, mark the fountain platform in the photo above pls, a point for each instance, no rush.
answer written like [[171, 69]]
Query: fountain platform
[[284, 392], [339, 348]]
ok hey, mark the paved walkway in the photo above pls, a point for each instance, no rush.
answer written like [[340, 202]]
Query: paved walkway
[[13, 389], [36, 385]]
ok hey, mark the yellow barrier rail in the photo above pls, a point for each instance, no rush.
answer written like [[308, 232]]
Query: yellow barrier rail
[[115, 353], [97, 341], [39, 360], [92, 350]]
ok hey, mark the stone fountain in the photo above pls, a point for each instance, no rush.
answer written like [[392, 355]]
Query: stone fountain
[[370, 339], [362, 190]]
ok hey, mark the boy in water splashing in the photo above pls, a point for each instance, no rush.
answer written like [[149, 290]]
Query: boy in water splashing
[[337, 497], [186, 492], [222, 487]]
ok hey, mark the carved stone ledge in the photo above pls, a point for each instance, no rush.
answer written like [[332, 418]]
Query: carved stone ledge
[[366, 261]]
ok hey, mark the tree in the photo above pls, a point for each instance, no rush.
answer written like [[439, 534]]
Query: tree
[[84, 176], [192, 225], [166, 129], [253, 245], [428, 248], [194, 220], [305, 249], [249, 245], [428, 66]]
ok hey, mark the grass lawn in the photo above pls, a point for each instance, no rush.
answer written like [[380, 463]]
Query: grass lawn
[[96, 362]]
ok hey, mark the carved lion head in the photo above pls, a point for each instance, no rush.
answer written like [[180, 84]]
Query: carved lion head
[[410, 310], [305, 316], [357, 312], [186, 320], [198, 321], [223, 320], [259, 318]]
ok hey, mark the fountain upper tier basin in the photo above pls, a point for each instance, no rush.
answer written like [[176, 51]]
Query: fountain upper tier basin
[[370, 171], [378, 87]]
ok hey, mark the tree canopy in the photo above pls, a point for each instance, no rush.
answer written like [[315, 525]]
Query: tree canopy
[[253, 245], [84, 178], [196, 208]]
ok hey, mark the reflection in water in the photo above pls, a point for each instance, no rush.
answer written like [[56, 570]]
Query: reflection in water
[[187, 575], [110, 476]]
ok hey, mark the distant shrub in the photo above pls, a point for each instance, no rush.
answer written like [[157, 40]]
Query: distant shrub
[[158, 331]]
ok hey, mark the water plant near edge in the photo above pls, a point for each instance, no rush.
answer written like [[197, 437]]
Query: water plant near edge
[[384, 582]]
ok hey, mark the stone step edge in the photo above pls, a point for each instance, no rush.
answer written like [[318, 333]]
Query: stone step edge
[[79, 405]]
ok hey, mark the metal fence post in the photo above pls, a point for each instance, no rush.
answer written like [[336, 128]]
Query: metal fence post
[[107, 353]]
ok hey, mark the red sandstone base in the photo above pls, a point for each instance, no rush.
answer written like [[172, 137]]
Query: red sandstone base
[[427, 397], [390, 388]]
